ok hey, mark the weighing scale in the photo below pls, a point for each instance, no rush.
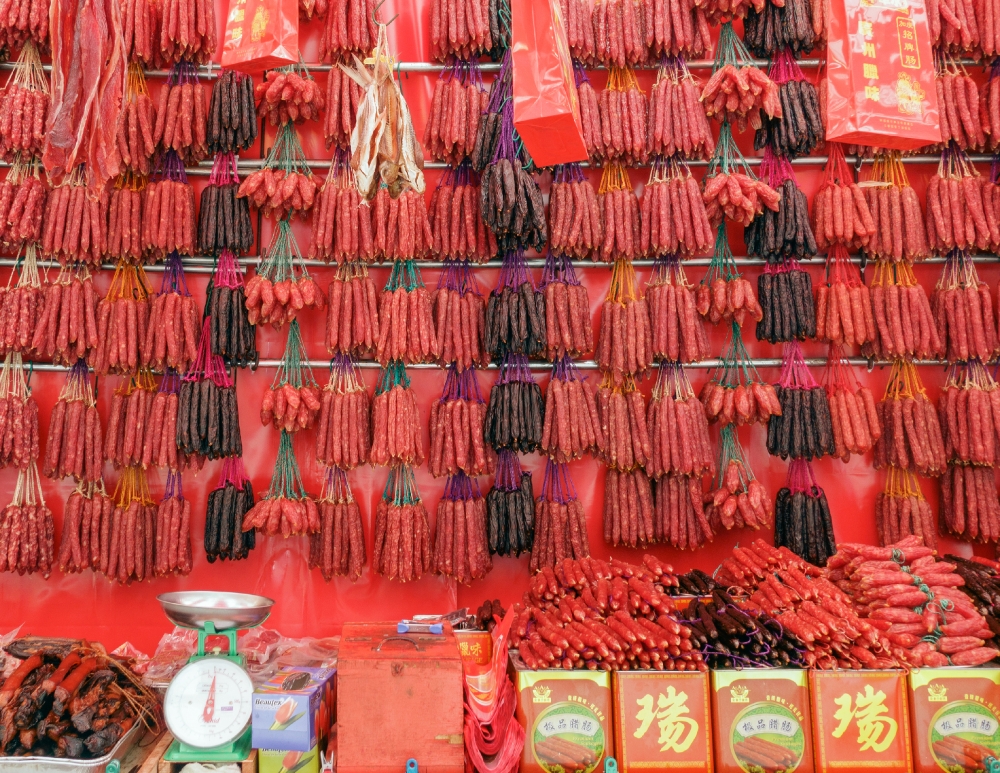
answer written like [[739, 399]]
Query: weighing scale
[[209, 702]]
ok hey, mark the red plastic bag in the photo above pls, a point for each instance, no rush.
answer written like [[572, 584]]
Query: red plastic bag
[[546, 107], [261, 35], [881, 76]]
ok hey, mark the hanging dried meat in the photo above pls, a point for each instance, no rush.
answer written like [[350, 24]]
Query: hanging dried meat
[[901, 510], [125, 218], [172, 549], [401, 226], [677, 120], [786, 296], [578, 22], [679, 512], [128, 420], [969, 411], [285, 185], [461, 549], [122, 322], [963, 308], [27, 531], [590, 118], [620, 209], [911, 430], [187, 31], [286, 510], [732, 192], [515, 312], [514, 416], [956, 199], [289, 95], [65, 329], [782, 30], [167, 212], [75, 227], [735, 393], [896, 213], [341, 225], [139, 26], [401, 548], [624, 343], [22, 202], [397, 438], [568, 327], [351, 27], [282, 287], [74, 445], [136, 139], [802, 521], [343, 98], [678, 429], [572, 424], [965, 117], [841, 217], [737, 499], [459, 318], [159, 437], [955, 27], [460, 28], [458, 230], [623, 440], [724, 293], [804, 428], [575, 227], [208, 418], [406, 318], [228, 504], [673, 217], [338, 549], [232, 114], [560, 522], [352, 320], [458, 101], [624, 112], [24, 23], [232, 337], [80, 543], [510, 508], [904, 323], [677, 333], [344, 434], [24, 105], [223, 218], [292, 402], [129, 540], [618, 34], [735, 75], [628, 509], [21, 307], [853, 414]]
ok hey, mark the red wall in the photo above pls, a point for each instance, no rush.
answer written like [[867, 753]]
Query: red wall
[[88, 605]]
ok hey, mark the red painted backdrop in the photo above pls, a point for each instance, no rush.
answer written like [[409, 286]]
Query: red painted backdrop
[[90, 606]]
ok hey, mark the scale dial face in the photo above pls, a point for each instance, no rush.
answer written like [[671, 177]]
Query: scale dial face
[[209, 703]]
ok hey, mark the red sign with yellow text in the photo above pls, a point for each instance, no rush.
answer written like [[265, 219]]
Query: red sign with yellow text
[[880, 75], [861, 720]]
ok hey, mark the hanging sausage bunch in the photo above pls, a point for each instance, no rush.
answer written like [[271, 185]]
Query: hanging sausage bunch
[[724, 293], [840, 209], [568, 327], [623, 441], [232, 115], [676, 330], [624, 112], [510, 508], [786, 297], [129, 540], [343, 98], [895, 209], [159, 437], [460, 28], [223, 218], [22, 204], [456, 429], [781, 30], [22, 307], [344, 434], [66, 327], [23, 24], [618, 36], [406, 318], [736, 499], [803, 429], [461, 548], [735, 195], [401, 226], [853, 413], [956, 196], [844, 313], [351, 27], [282, 287], [575, 226], [181, 117], [560, 525], [341, 226], [27, 531], [572, 426], [136, 139], [590, 111], [680, 456], [187, 31], [578, 22], [285, 185], [338, 548], [167, 212], [911, 430], [965, 118], [172, 331], [757, 96], [673, 216], [458, 230], [904, 323], [24, 106], [515, 313], [122, 322], [802, 521], [458, 101], [963, 308], [620, 212], [514, 416], [401, 548], [80, 544], [172, 531], [625, 344], [955, 27], [231, 336], [676, 27], [459, 318], [628, 509], [74, 444], [289, 95], [677, 120], [784, 233], [293, 400], [736, 394], [396, 428], [128, 421], [125, 226], [228, 504], [352, 321], [75, 227], [286, 510]]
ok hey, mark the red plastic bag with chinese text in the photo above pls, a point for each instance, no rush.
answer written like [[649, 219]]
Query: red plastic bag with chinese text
[[880, 70], [546, 108], [261, 35]]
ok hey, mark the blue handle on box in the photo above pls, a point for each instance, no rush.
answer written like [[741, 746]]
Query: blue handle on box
[[403, 626]]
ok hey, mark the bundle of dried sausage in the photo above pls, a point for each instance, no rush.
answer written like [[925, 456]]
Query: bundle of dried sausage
[[74, 444], [590, 116], [969, 506], [737, 196], [223, 218], [22, 203], [128, 421], [338, 549], [724, 293], [167, 213], [21, 307], [293, 400], [172, 551], [853, 413], [676, 28], [228, 504], [174, 323], [352, 322], [401, 226], [341, 223], [461, 548], [724, 11], [397, 436], [344, 434], [578, 21], [677, 332], [24, 23], [568, 327], [231, 336], [804, 428], [515, 312], [756, 96], [159, 435], [679, 513], [27, 531], [736, 393], [187, 31], [285, 185], [24, 106], [965, 117], [289, 95], [674, 220], [286, 510], [460, 28], [956, 199], [560, 521], [896, 214], [786, 231], [624, 343], [128, 539], [678, 429], [786, 296], [282, 287], [459, 99], [628, 509], [232, 114], [510, 508], [840, 211], [139, 20], [901, 510], [514, 416], [624, 112], [677, 120], [65, 327], [181, 117], [75, 227], [122, 322], [955, 27], [736, 499], [572, 426], [575, 225], [208, 419], [911, 429], [458, 230], [623, 439], [401, 548], [904, 323], [511, 205], [124, 219], [969, 411], [963, 308], [618, 36], [350, 28], [780, 30], [406, 318], [310, 8], [844, 307], [459, 318], [343, 97], [802, 521], [619, 208], [80, 543]]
